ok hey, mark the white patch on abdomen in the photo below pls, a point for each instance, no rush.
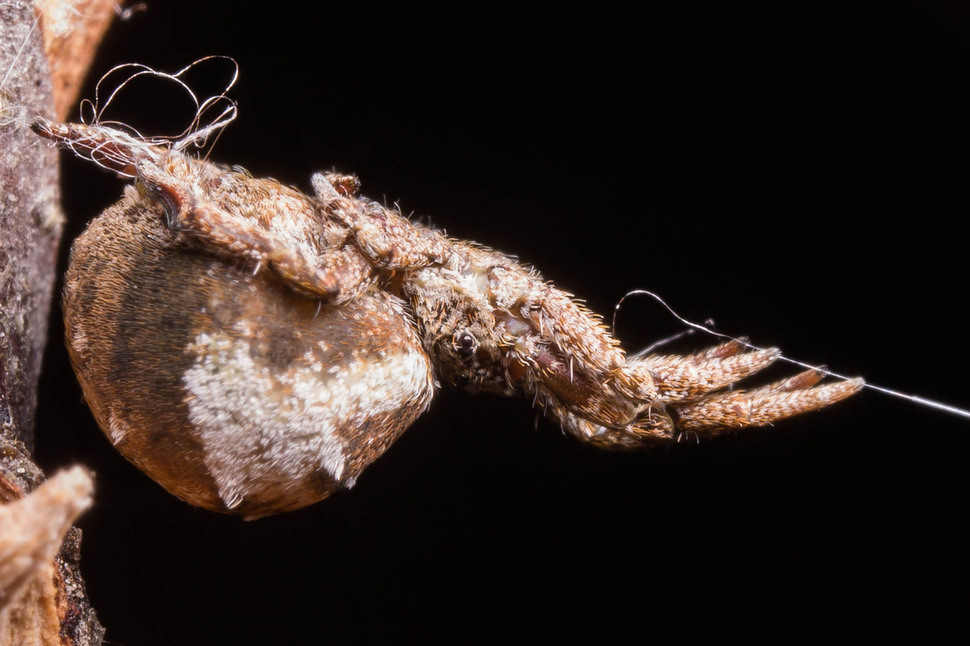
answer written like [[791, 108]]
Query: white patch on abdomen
[[117, 428], [262, 429]]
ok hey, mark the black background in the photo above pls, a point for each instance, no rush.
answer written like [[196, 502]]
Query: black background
[[796, 173]]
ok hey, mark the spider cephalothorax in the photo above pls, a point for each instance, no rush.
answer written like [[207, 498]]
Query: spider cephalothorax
[[253, 348]]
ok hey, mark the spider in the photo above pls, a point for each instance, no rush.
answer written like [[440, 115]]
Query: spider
[[254, 349]]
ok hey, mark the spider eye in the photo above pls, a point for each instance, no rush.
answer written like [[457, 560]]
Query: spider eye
[[465, 344]]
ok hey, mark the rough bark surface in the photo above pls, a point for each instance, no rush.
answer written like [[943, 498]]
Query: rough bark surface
[[49, 604], [39, 593], [30, 219]]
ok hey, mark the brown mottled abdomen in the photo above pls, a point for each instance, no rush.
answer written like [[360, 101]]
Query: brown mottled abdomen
[[231, 390]]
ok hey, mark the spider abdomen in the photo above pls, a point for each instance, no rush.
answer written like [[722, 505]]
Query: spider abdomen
[[233, 391]]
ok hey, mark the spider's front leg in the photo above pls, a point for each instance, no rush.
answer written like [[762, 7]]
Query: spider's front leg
[[696, 396], [493, 325], [600, 395], [716, 409]]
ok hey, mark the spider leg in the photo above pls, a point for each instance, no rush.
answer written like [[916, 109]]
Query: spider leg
[[269, 231], [761, 406], [683, 378], [714, 413], [654, 427]]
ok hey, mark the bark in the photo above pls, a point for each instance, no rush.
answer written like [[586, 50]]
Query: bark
[[42, 601], [40, 593]]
